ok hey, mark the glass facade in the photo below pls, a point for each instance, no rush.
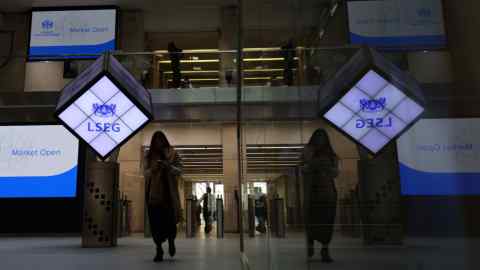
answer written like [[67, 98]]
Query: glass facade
[[360, 184]]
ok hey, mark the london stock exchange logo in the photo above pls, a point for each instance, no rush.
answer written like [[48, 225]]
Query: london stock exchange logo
[[48, 29], [424, 12], [373, 106], [47, 25], [104, 111]]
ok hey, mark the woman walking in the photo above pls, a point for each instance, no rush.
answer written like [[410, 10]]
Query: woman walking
[[319, 172], [162, 167]]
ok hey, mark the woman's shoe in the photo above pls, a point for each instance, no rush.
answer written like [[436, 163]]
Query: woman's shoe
[[171, 247], [326, 256], [159, 256]]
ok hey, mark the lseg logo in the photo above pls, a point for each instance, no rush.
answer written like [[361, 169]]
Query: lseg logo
[[373, 106], [47, 25], [424, 12], [104, 111]]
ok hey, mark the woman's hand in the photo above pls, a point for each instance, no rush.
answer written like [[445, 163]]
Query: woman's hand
[[163, 163]]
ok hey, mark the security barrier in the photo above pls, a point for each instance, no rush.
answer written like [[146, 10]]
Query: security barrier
[[278, 218], [124, 216], [220, 218], [191, 217], [251, 216]]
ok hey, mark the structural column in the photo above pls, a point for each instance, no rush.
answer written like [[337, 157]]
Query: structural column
[[228, 37], [230, 176], [434, 68]]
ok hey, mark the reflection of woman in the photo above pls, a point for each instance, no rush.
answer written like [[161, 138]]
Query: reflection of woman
[[162, 167], [319, 171]]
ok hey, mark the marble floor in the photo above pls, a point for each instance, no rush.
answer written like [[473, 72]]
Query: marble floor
[[262, 252], [415, 254]]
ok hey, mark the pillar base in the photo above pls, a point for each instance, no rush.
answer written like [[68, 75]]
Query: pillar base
[[99, 228]]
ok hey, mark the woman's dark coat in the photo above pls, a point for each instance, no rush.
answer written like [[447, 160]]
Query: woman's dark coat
[[166, 178], [320, 194]]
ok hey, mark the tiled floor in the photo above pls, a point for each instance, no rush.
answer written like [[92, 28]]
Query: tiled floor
[[263, 253], [132, 253], [414, 254]]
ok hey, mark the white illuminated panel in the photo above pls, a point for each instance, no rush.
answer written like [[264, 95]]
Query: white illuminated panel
[[373, 112], [103, 116]]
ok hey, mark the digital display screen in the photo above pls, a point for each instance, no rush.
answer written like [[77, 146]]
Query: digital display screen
[[440, 157], [397, 23], [373, 112], [103, 116], [57, 33], [38, 161]]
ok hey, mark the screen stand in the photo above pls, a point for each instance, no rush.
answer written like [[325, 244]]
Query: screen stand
[[100, 207], [379, 188]]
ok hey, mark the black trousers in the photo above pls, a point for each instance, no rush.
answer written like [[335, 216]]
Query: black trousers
[[207, 216], [162, 223], [320, 221]]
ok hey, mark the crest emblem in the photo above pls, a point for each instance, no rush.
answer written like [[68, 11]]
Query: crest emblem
[[424, 12], [373, 105], [47, 24], [104, 110]]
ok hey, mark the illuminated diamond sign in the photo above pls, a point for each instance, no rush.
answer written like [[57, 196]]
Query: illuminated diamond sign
[[104, 106], [371, 100]]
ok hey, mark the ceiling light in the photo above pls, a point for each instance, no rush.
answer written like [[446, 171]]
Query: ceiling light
[[269, 59], [275, 147], [264, 70], [194, 71], [192, 61], [200, 80], [198, 148]]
